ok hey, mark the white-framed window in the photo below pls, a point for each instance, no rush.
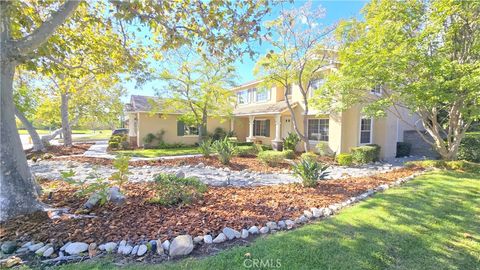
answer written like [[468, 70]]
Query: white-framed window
[[377, 90], [318, 129], [261, 95], [366, 125], [243, 97], [190, 130], [314, 85], [261, 128]]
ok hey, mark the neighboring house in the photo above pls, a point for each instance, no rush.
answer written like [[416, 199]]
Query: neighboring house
[[262, 115], [142, 121]]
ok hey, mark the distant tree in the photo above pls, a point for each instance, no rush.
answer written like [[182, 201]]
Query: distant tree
[[200, 86], [299, 55], [423, 55]]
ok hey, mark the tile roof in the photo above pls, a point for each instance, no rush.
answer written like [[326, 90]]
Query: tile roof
[[268, 108]]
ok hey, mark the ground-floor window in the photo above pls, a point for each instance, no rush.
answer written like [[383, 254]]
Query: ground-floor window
[[183, 129], [261, 128], [365, 130], [318, 129]]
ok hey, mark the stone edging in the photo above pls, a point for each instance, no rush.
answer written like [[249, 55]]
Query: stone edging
[[184, 244]]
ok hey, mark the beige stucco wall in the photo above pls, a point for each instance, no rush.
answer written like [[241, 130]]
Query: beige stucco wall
[[153, 123], [240, 127]]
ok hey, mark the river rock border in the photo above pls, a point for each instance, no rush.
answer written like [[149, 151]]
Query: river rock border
[[183, 245]]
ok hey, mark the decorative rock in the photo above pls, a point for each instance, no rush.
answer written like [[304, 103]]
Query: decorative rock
[[316, 212], [290, 224], [92, 250], [135, 250], [200, 165], [48, 252], [327, 212], [110, 246], [121, 246], [307, 214], [8, 247], [197, 239], [153, 245], [127, 250], [264, 230], [35, 247], [65, 246], [220, 238], [41, 250], [301, 219], [26, 245], [281, 224], [382, 187], [207, 239], [230, 233], [271, 225], [76, 248], [253, 230], [101, 247], [92, 201], [180, 174], [142, 249], [22, 250], [244, 233], [115, 196], [181, 245], [160, 250], [166, 245]]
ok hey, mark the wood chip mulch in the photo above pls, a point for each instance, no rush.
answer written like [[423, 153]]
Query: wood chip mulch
[[138, 220], [60, 150]]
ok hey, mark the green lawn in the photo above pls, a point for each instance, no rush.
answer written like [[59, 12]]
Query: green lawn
[[151, 153], [431, 222]]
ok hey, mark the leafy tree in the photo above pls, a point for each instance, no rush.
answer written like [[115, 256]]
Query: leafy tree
[[425, 57], [32, 32], [299, 56], [199, 86]]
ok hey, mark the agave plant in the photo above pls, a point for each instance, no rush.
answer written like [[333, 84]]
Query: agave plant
[[310, 171]]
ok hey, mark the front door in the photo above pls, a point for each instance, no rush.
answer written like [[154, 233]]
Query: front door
[[286, 126]]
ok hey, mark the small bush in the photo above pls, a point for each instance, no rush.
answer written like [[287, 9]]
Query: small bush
[[118, 142], [291, 141], [365, 154], [244, 143], [290, 154], [344, 159], [309, 171], [121, 175], [206, 148], [262, 147], [403, 149], [470, 148], [323, 150], [309, 156], [225, 149], [271, 158], [173, 190], [247, 151], [457, 165]]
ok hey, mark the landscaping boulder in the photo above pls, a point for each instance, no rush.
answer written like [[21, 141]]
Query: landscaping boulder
[[253, 230], [48, 252], [41, 250], [271, 225], [290, 224], [181, 245], [281, 224], [230, 233], [220, 238], [316, 212], [166, 245], [92, 201], [115, 196], [264, 230], [197, 239], [142, 249], [35, 247], [76, 248], [110, 246], [207, 239], [244, 233], [159, 250], [9, 247]]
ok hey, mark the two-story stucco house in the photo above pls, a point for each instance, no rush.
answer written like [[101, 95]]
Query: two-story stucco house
[[262, 115]]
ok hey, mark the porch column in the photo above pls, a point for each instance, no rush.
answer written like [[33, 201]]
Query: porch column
[[251, 118], [232, 124], [277, 142], [278, 136]]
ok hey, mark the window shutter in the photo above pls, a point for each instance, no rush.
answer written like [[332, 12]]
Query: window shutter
[[180, 128], [267, 127], [254, 129]]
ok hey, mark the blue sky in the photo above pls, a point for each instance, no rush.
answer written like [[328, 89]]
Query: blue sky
[[335, 11]]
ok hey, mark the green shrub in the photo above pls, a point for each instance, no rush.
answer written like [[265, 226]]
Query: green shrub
[[225, 149], [247, 150], [403, 149], [121, 175], [113, 145], [365, 154], [219, 134], [309, 156], [153, 140], [291, 141], [344, 159], [461, 165], [323, 150], [118, 142], [206, 148], [173, 190], [263, 147], [309, 171], [290, 154], [470, 148], [244, 143], [271, 158]]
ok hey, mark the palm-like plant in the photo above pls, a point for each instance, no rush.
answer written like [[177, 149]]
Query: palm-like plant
[[225, 149], [310, 171]]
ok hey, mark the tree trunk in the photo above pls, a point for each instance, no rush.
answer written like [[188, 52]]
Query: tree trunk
[[37, 142], [202, 133], [18, 190], [67, 129]]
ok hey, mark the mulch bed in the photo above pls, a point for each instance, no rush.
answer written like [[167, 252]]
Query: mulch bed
[[59, 150], [221, 206]]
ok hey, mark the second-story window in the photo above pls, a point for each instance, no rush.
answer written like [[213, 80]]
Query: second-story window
[[243, 97], [288, 91], [377, 90], [314, 85], [262, 95]]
